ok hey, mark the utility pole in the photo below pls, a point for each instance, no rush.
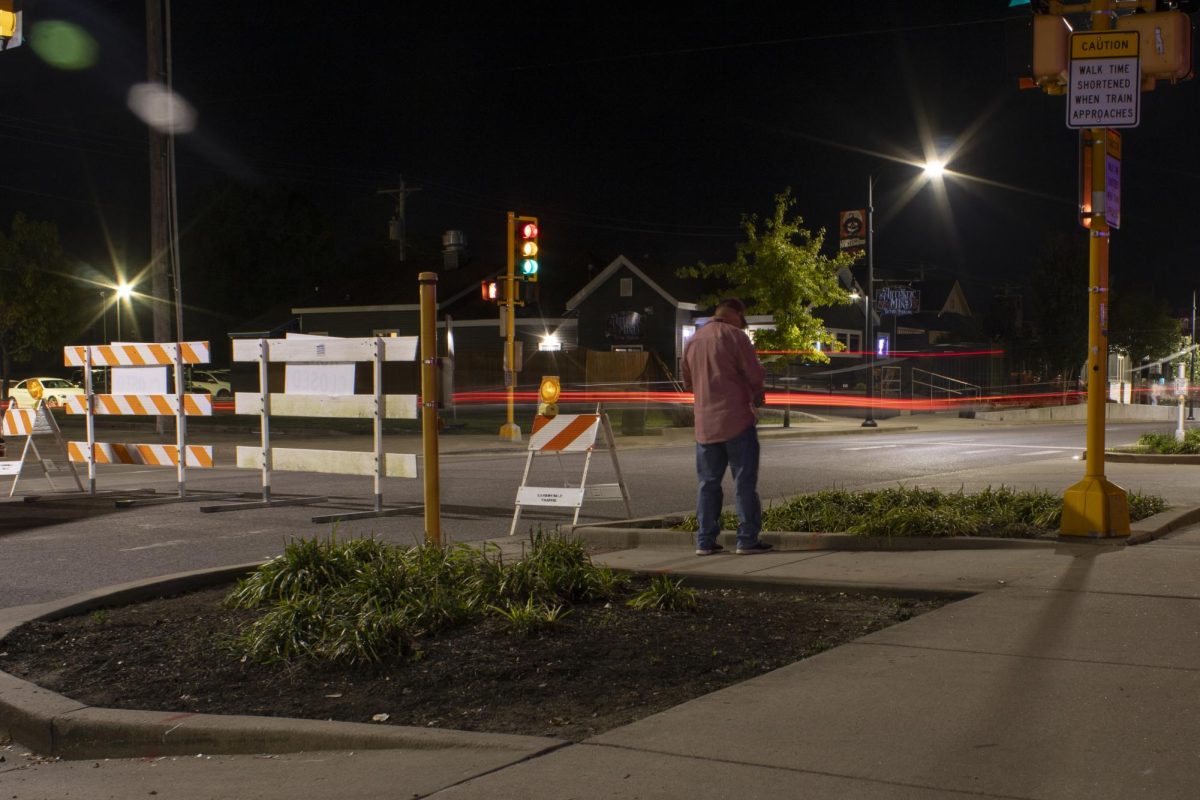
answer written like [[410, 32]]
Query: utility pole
[[159, 196], [398, 227]]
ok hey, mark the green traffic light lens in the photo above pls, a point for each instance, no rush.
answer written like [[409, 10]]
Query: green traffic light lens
[[529, 266]]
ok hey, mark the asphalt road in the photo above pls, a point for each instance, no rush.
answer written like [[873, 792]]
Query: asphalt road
[[57, 547]]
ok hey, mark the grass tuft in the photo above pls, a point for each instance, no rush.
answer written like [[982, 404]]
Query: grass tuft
[[901, 511]]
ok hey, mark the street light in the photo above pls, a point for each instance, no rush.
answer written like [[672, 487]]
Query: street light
[[933, 169], [123, 292]]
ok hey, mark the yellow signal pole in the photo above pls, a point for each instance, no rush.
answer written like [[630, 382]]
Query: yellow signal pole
[[1095, 507], [509, 431]]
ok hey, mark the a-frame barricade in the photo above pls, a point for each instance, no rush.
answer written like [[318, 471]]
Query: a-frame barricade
[[30, 423], [376, 407], [179, 405], [569, 434]]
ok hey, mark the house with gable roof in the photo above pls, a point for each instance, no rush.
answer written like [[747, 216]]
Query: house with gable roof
[[623, 309]]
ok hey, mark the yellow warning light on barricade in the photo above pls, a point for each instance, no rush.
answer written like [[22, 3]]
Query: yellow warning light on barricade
[[548, 391], [34, 386]]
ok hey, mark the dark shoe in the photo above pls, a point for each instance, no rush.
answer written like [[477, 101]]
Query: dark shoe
[[711, 550], [751, 549]]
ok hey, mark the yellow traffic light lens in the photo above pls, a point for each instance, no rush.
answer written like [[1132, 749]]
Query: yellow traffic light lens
[[529, 249]]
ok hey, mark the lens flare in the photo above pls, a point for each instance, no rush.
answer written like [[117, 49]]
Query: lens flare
[[161, 108], [63, 45]]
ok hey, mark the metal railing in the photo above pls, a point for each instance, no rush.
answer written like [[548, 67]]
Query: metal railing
[[954, 392]]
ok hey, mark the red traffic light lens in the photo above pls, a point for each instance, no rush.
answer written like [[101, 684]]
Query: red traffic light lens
[[529, 231]]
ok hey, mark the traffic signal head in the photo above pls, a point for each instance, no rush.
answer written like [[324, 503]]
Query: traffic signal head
[[491, 291], [548, 391], [527, 247]]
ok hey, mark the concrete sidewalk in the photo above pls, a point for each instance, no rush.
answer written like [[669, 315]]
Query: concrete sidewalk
[[1071, 671]]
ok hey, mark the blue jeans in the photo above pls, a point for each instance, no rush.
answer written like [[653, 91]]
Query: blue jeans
[[741, 454]]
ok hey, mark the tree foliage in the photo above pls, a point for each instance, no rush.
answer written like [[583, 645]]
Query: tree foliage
[[1060, 303], [1142, 327], [37, 295], [779, 270]]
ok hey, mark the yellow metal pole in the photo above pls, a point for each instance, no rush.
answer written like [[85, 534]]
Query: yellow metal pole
[[509, 431], [1095, 507], [429, 394]]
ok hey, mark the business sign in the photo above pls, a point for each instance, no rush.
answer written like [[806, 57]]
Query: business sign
[[1106, 83], [897, 300], [852, 229]]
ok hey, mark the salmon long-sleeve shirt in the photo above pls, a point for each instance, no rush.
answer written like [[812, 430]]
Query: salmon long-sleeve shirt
[[721, 369]]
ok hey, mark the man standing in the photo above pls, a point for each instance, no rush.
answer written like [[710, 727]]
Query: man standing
[[722, 370]]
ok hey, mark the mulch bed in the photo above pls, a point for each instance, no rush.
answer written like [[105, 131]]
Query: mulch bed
[[601, 667]]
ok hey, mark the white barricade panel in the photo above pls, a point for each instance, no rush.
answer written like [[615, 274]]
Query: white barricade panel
[[10, 467], [357, 406], [194, 405], [19, 422], [565, 433], [550, 496], [153, 455], [326, 351], [339, 462], [136, 355]]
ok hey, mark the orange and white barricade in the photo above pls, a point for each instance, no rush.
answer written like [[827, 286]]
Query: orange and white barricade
[[28, 423], [178, 405], [324, 397], [569, 433]]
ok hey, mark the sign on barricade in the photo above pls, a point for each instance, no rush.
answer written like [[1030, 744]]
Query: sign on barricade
[[31, 422], [178, 405], [308, 353], [569, 433]]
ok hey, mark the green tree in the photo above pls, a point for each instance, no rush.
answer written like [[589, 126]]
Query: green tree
[[779, 270], [37, 295], [1060, 303], [1142, 327]]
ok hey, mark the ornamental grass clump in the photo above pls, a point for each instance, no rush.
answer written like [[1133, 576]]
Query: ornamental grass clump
[[363, 601], [666, 594], [1167, 444], [901, 511]]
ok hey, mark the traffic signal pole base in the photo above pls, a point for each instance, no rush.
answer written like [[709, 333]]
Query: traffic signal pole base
[[870, 423], [510, 432], [1095, 508]]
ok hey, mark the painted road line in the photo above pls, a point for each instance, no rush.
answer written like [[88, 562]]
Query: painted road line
[[872, 447]]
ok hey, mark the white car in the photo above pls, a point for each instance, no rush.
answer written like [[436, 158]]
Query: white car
[[210, 382], [55, 391]]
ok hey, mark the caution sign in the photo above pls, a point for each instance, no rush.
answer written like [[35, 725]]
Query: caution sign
[[1106, 81], [852, 229]]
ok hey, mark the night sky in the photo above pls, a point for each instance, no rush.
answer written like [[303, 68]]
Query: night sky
[[647, 133]]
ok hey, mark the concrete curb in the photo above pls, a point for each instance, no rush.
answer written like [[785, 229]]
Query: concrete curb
[[628, 537], [51, 724], [1118, 457], [1159, 525]]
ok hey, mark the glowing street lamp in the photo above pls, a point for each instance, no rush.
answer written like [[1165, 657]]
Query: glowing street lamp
[[123, 291]]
